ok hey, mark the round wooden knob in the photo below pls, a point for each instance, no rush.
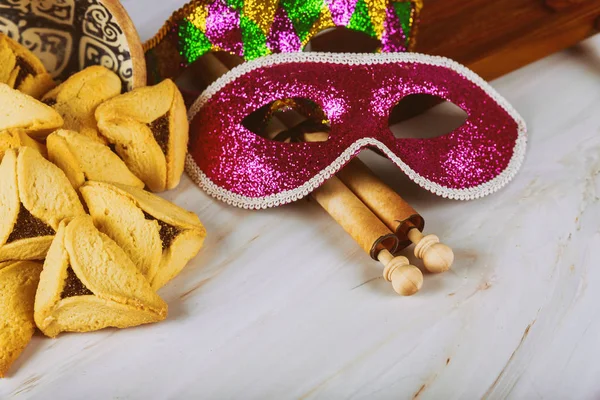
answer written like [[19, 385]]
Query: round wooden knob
[[436, 256], [406, 279]]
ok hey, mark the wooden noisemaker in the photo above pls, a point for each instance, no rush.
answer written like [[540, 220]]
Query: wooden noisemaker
[[375, 238], [397, 214], [393, 210], [370, 233]]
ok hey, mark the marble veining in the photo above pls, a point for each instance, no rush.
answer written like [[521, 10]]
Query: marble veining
[[282, 304]]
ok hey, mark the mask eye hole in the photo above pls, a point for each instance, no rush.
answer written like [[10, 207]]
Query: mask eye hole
[[342, 40], [292, 120], [441, 117]]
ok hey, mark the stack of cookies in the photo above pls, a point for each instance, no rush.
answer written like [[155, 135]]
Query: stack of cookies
[[83, 245]]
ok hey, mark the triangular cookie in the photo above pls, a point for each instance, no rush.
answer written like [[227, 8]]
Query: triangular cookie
[[149, 129], [158, 236], [76, 99], [89, 283], [82, 158], [22, 70], [22, 111], [18, 283], [35, 195], [13, 139]]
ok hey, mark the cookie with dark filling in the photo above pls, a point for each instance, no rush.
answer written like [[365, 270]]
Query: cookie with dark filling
[[35, 195], [18, 284], [22, 70], [23, 112], [77, 98], [83, 159], [149, 129], [158, 236], [89, 283]]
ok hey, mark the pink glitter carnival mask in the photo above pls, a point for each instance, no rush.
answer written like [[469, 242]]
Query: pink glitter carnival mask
[[244, 169], [255, 28]]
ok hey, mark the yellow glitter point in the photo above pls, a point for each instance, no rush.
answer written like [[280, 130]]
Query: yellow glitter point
[[377, 13], [198, 17], [261, 12]]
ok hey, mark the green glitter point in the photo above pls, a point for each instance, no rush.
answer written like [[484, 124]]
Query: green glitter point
[[303, 14], [194, 42], [361, 21], [254, 39], [237, 5], [404, 12]]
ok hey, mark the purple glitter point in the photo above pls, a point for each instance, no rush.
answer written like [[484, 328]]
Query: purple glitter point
[[223, 28], [282, 37], [393, 39], [341, 11]]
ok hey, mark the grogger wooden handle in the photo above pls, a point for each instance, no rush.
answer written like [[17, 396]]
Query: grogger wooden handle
[[437, 257], [406, 279]]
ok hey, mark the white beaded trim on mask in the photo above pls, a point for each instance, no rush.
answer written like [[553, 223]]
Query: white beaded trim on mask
[[289, 196]]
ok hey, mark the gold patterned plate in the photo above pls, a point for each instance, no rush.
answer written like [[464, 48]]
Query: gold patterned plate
[[70, 35]]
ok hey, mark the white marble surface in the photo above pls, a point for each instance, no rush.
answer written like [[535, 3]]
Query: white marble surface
[[282, 304]]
